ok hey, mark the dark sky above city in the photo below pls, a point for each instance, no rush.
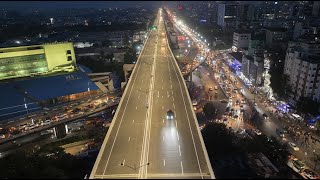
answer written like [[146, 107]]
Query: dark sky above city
[[24, 5]]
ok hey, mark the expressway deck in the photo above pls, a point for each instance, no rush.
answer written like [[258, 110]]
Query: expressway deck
[[141, 142]]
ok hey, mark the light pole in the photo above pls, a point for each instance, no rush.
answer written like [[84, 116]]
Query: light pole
[[134, 168], [147, 91]]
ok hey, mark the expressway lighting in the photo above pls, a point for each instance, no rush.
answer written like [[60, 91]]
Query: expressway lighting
[[205, 40], [18, 42], [188, 45]]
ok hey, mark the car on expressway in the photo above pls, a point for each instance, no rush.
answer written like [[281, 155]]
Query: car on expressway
[[170, 115], [293, 146]]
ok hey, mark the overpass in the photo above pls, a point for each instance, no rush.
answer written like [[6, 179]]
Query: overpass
[[141, 142]]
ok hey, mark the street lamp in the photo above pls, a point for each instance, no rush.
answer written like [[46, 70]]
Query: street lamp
[[134, 168]]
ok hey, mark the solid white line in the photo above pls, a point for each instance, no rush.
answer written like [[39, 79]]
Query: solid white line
[[194, 146], [181, 167], [129, 139], [178, 135], [121, 117], [179, 150], [164, 162]]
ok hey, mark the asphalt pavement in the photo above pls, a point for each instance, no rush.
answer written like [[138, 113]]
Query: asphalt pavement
[[142, 142]]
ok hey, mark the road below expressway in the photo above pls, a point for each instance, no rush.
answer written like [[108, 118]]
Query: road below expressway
[[141, 142]]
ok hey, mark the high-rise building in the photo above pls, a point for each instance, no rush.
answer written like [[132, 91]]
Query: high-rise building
[[227, 16], [241, 40], [275, 37], [302, 65]]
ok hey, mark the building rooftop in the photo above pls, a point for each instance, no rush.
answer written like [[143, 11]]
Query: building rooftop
[[14, 93], [237, 56]]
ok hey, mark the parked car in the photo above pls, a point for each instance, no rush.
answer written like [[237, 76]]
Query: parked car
[[310, 174], [257, 131]]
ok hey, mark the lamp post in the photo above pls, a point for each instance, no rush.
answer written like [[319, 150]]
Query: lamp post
[[134, 168]]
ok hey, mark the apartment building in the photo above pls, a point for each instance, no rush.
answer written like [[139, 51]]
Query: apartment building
[[302, 65]]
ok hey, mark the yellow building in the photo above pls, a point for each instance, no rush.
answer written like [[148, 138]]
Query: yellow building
[[36, 60]]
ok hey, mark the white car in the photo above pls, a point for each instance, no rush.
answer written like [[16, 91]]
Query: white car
[[46, 122], [257, 131], [293, 146]]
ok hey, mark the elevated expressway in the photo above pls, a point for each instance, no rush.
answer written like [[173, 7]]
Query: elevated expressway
[[141, 142]]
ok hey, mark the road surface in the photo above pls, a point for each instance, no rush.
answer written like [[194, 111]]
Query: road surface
[[141, 142]]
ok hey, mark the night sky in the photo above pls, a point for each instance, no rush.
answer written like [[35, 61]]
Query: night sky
[[25, 5]]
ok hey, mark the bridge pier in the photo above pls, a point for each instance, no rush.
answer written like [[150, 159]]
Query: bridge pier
[[60, 131]]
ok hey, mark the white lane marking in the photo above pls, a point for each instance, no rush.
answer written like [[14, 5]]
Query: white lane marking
[[179, 150], [162, 96], [162, 107], [178, 135], [162, 138], [129, 139], [174, 106], [132, 120], [121, 119], [162, 87], [136, 107], [183, 98], [176, 124], [158, 93], [168, 93], [163, 121], [171, 86], [123, 162], [181, 167], [164, 162], [172, 99], [138, 96]]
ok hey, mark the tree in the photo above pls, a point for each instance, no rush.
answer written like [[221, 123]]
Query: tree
[[218, 140], [130, 56], [106, 43], [307, 105], [210, 110]]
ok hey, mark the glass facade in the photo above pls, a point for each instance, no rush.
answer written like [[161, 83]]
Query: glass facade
[[19, 66]]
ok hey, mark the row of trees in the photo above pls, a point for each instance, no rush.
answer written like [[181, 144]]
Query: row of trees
[[221, 142]]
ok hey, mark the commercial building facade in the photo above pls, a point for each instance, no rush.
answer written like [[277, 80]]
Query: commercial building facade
[[26, 61]]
